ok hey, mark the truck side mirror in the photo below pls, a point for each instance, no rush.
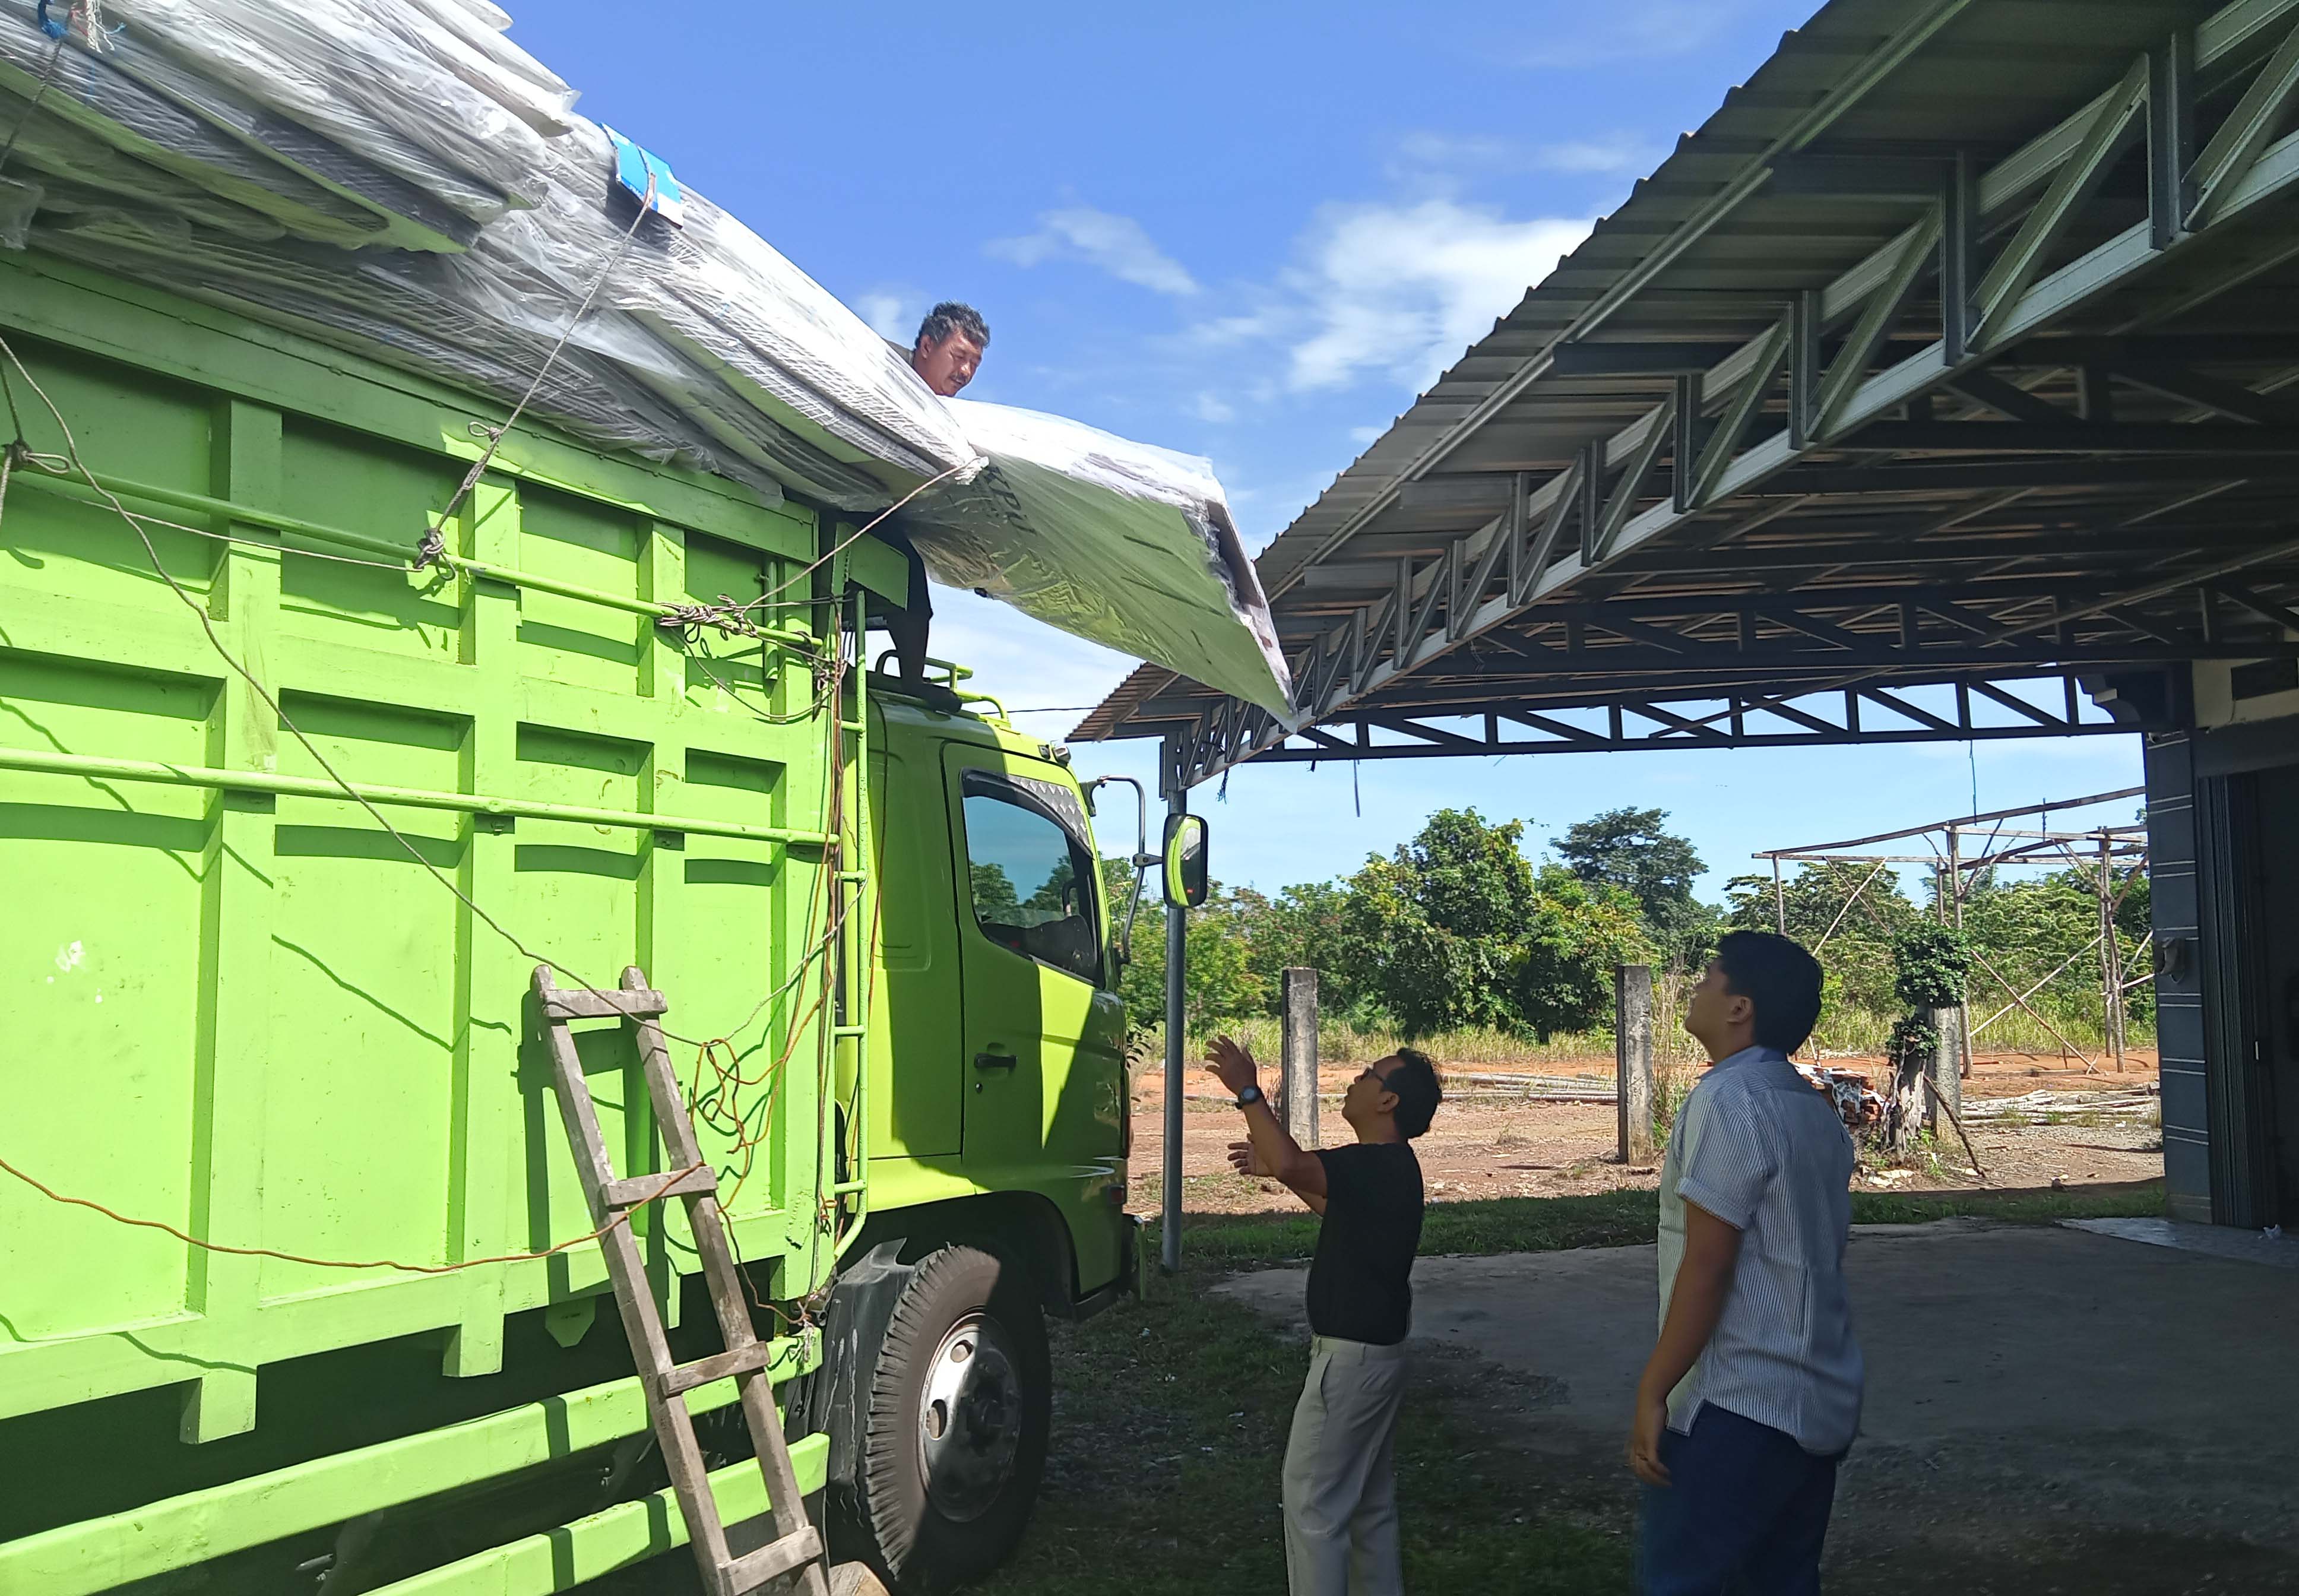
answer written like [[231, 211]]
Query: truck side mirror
[[1186, 881]]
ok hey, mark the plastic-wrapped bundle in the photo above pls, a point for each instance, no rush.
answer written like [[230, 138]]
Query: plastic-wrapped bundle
[[397, 178], [1121, 543]]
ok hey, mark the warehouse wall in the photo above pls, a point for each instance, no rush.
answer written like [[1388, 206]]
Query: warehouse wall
[[2224, 867], [2178, 991]]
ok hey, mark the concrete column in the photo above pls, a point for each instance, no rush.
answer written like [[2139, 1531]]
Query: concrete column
[[1947, 1064], [1300, 987], [1632, 1034]]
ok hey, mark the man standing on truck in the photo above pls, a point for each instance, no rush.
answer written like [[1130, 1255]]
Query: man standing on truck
[[1753, 1393], [945, 355], [1340, 1461]]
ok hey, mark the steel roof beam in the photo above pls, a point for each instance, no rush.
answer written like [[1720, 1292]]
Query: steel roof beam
[[1927, 476], [1638, 360], [2016, 300], [1686, 729], [2070, 435]]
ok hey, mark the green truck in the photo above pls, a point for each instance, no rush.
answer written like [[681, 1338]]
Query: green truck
[[298, 1291]]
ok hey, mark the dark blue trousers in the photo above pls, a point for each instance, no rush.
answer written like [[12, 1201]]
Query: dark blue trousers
[[1745, 1516]]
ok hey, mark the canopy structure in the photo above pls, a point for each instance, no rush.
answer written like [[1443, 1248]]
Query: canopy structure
[[1936, 387]]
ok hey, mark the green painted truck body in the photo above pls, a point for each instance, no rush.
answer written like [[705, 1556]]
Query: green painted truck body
[[249, 1006]]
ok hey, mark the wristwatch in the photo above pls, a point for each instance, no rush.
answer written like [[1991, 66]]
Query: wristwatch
[[1248, 1097]]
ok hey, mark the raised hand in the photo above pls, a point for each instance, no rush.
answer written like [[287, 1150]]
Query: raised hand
[[1229, 1061]]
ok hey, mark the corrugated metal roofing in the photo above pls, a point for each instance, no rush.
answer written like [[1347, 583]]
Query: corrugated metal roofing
[[1801, 183]]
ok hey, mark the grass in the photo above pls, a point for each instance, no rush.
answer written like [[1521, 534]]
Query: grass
[[1842, 1033], [1171, 1416]]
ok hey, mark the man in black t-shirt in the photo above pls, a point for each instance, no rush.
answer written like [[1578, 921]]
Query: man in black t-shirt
[[1340, 1474]]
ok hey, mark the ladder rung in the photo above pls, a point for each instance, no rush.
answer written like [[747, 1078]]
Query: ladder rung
[[773, 1560], [854, 875], [582, 1003], [635, 1189], [849, 1030], [847, 1188], [718, 1366]]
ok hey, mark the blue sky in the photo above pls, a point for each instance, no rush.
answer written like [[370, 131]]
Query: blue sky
[[1253, 231]]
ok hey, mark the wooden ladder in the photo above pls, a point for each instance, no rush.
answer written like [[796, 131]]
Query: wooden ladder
[[795, 1553]]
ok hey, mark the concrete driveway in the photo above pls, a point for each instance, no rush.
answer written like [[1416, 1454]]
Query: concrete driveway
[[2023, 1382]]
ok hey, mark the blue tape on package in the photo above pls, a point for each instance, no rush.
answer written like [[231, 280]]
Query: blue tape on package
[[643, 172]]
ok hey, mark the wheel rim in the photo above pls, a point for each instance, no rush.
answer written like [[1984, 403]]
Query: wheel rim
[[969, 1419]]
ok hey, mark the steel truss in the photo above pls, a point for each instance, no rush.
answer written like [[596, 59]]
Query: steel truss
[[2110, 859], [1928, 389]]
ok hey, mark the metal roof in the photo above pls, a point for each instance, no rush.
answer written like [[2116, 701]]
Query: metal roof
[[1948, 352]]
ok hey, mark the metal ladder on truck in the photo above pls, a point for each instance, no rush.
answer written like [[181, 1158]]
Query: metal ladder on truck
[[795, 1553]]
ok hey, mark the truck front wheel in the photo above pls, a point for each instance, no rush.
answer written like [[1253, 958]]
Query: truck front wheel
[[960, 1404]]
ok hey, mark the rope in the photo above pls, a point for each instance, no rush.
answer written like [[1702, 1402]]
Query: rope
[[722, 1110], [47, 78], [765, 599], [433, 543], [189, 1239], [207, 625]]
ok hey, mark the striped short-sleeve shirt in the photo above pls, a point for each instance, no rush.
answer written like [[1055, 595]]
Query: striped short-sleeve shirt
[[1754, 1145]]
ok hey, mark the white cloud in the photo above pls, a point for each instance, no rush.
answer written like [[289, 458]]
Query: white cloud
[[1367, 437], [1428, 158], [1117, 244], [1401, 290], [892, 316], [1211, 406], [1616, 153], [1639, 30]]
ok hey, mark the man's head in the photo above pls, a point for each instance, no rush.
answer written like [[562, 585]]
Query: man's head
[[950, 344], [1394, 1099], [1759, 991]]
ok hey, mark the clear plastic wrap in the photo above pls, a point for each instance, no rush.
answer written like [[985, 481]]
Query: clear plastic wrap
[[374, 76], [398, 177], [1126, 544]]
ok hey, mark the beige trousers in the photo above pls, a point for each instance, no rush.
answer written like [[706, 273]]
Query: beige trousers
[[1341, 1473]]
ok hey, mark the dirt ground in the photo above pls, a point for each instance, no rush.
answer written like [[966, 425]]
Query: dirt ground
[[1484, 1145]]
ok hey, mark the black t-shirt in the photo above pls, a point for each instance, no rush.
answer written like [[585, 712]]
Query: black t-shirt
[[1361, 1282]]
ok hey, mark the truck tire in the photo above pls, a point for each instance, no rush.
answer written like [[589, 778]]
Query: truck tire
[[954, 1440]]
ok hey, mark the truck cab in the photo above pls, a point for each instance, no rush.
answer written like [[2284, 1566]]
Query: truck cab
[[995, 1110]]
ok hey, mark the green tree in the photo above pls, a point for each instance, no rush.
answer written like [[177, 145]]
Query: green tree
[[1633, 849], [1454, 931], [1580, 931], [1304, 926], [1217, 982], [1848, 914]]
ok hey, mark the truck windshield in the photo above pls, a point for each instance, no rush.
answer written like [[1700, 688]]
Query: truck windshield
[[1033, 883]]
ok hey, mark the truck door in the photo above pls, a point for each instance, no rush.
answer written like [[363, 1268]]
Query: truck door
[[1030, 936]]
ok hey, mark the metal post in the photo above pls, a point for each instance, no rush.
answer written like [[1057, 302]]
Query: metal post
[[1632, 1040], [2110, 956], [1300, 989], [1955, 877], [1177, 804], [1962, 1013], [1780, 901]]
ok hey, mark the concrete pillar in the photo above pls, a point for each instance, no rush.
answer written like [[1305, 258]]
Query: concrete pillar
[[1300, 989], [1946, 1065], [1632, 1038]]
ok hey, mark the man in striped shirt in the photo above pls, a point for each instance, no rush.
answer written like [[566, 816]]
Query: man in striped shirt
[[1752, 1396]]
